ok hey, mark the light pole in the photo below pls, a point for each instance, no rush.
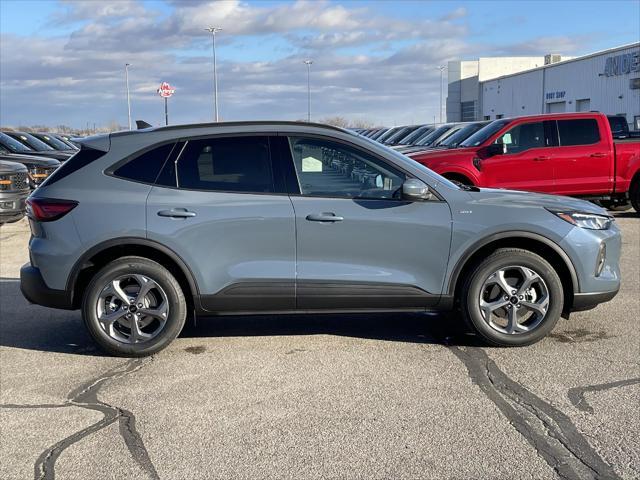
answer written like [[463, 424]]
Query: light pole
[[442, 68], [308, 64], [126, 76], [213, 31]]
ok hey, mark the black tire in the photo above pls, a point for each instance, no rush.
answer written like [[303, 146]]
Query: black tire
[[634, 194], [175, 318], [614, 207], [502, 258]]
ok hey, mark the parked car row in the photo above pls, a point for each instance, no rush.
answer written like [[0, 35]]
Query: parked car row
[[27, 160], [587, 155]]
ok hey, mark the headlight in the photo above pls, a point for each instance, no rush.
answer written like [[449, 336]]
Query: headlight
[[591, 221]]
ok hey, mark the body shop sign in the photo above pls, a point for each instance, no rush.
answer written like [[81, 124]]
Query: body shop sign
[[621, 64]]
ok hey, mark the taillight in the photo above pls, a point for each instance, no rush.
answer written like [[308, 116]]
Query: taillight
[[48, 209]]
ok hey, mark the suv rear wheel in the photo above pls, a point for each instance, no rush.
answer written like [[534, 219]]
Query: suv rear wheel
[[512, 298], [134, 307]]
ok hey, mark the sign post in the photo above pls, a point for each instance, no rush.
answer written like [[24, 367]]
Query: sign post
[[165, 91]]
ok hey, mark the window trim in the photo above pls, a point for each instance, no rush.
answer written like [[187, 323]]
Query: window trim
[[394, 166]]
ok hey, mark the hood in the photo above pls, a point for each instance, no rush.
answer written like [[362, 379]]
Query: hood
[[442, 153], [11, 167], [30, 160], [514, 198]]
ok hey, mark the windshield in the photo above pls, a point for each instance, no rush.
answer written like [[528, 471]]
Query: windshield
[[33, 142], [53, 141], [430, 137], [462, 134], [484, 133], [416, 135], [13, 144], [400, 135]]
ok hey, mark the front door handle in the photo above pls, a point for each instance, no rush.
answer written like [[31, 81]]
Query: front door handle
[[324, 217], [176, 213], [540, 159], [598, 155]]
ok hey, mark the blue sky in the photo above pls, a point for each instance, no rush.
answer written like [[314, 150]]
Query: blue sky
[[61, 62]]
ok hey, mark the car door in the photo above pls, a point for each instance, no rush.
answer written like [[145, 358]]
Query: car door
[[220, 205], [526, 162], [359, 245], [583, 160]]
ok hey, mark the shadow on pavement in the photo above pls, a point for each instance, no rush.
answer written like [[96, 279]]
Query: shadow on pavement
[[33, 327]]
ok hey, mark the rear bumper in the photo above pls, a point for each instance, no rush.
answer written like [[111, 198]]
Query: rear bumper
[[12, 206], [35, 290], [587, 301]]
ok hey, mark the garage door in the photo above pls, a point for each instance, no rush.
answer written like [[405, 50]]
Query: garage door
[[557, 107]]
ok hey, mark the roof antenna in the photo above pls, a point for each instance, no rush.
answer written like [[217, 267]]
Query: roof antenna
[[140, 124]]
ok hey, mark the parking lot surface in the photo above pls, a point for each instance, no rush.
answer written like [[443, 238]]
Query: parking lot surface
[[323, 396]]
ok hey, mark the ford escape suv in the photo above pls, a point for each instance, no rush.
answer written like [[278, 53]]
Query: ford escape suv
[[140, 229]]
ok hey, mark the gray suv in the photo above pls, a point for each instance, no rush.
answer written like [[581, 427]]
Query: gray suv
[[140, 229]]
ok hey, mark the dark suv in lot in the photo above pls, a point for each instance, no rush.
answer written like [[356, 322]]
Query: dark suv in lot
[[140, 228]]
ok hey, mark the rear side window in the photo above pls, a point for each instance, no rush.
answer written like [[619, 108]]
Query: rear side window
[[238, 164], [79, 160], [578, 132], [145, 167]]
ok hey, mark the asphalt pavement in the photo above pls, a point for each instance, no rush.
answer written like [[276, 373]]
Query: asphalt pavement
[[323, 396]]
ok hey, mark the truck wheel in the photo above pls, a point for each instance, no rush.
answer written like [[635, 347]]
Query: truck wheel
[[512, 298], [614, 206], [634, 194], [134, 307]]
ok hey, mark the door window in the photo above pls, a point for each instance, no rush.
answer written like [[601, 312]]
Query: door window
[[578, 132], [331, 169], [523, 137], [241, 164]]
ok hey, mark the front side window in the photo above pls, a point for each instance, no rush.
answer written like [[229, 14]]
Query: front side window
[[331, 169], [583, 131], [237, 164], [523, 137]]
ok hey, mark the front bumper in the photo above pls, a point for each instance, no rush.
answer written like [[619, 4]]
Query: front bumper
[[12, 206], [35, 290]]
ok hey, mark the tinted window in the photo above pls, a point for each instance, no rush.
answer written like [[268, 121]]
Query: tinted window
[[484, 134], [332, 169], [32, 141], [13, 144], [619, 127], [578, 132], [429, 138], [240, 164], [523, 137], [465, 132], [53, 141], [145, 167], [81, 159]]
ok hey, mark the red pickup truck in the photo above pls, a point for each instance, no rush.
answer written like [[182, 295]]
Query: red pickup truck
[[569, 154]]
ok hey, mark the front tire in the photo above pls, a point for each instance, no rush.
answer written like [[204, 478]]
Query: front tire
[[634, 194], [134, 307], [512, 298]]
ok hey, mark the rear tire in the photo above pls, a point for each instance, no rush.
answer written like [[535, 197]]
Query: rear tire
[[134, 307], [504, 318]]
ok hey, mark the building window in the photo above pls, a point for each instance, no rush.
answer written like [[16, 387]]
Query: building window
[[636, 122], [583, 105], [487, 117], [557, 107], [499, 116], [468, 111]]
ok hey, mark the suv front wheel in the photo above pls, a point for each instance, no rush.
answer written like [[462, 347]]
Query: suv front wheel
[[512, 298], [134, 307]]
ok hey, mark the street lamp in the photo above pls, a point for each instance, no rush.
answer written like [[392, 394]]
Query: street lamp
[[308, 64], [442, 68], [126, 76], [213, 31]]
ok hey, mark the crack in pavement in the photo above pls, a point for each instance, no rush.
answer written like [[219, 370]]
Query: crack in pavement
[[86, 396], [546, 428], [576, 394]]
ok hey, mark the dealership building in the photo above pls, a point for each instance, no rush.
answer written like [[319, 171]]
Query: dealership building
[[491, 88]]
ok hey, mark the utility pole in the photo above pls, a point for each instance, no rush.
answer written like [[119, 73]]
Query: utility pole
[[213, 31], [308, 64], [442, 68], [126, 76]]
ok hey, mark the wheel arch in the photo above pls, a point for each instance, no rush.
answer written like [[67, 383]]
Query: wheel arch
[[543, 246], [102, 253]]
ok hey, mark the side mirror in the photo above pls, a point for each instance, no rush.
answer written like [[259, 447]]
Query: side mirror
[[414, 189], [496, 149]]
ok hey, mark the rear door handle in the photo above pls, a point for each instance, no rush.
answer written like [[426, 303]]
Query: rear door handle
[[598, 155], [324, 217], [540, 159], [176, 213]]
